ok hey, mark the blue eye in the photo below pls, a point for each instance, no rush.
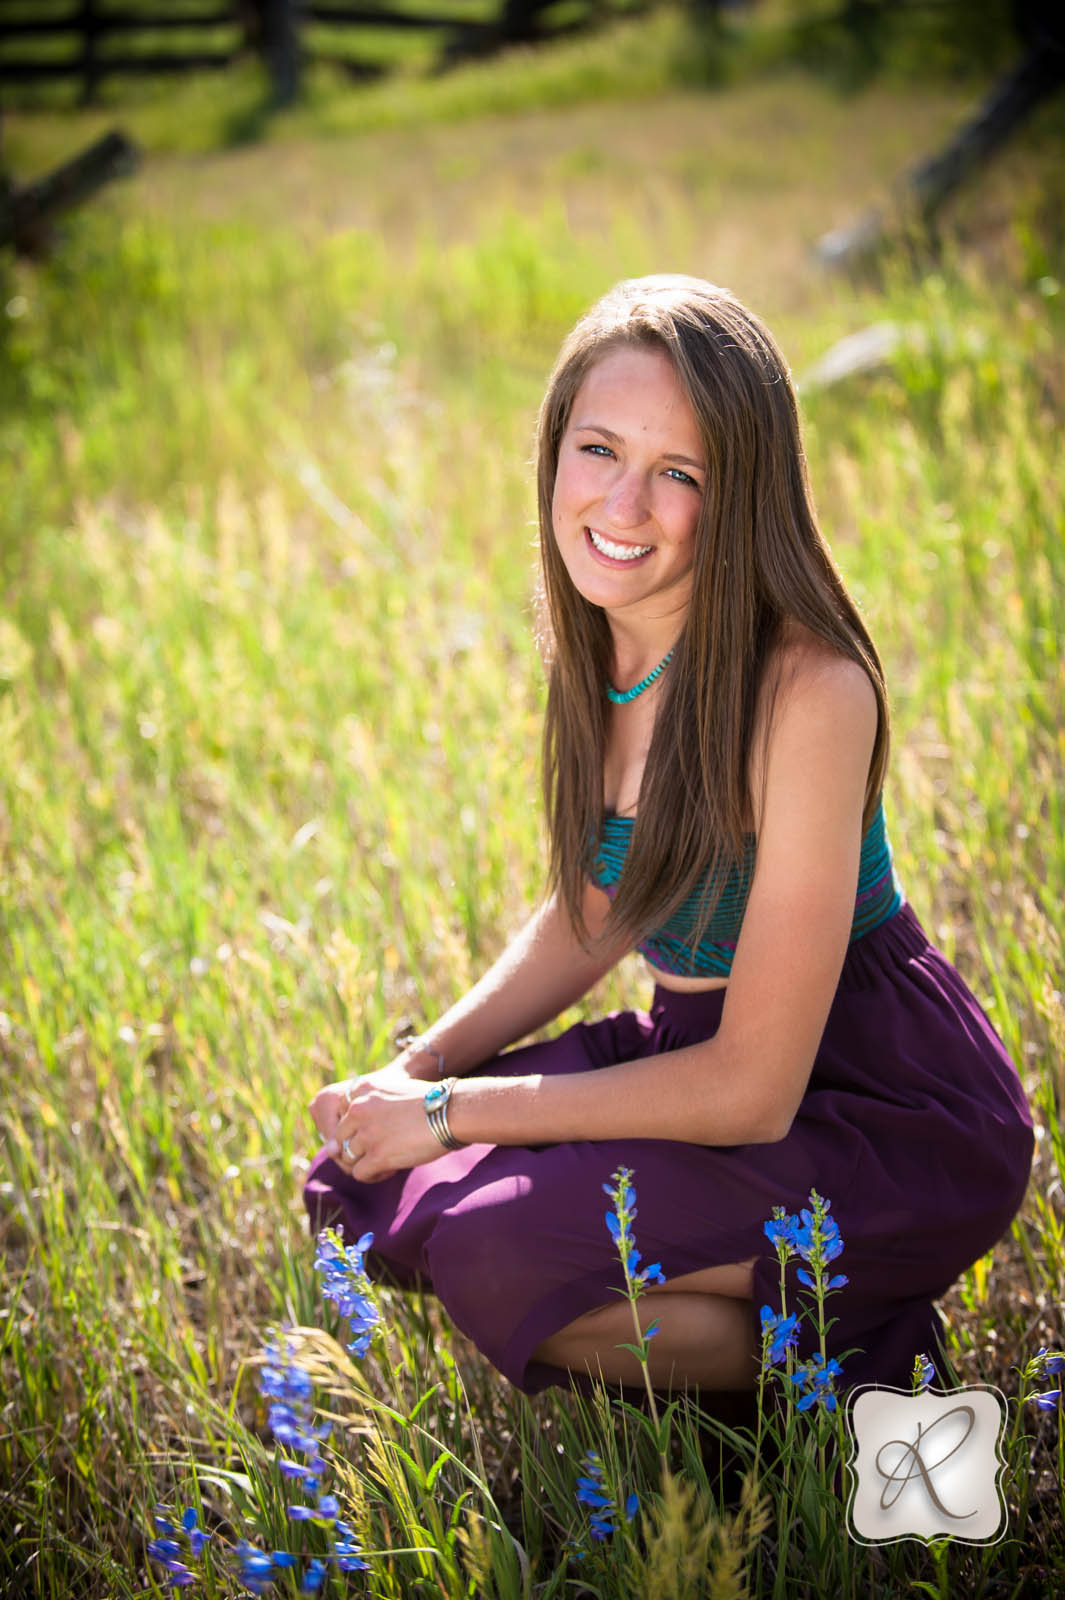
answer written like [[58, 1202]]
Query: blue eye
[[681, 477], [596, 448]]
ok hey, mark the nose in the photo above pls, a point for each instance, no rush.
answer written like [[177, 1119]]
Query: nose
[[626, 505]]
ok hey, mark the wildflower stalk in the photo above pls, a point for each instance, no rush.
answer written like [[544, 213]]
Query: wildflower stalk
[[819, 1243], [815, 1237], [1046, 1365], [780, 1230], [760, 1426], [287, 1389], [619, 1224], [1061, 1457], [641, 1340]]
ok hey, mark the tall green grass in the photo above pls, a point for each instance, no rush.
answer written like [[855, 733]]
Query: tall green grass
[[269, 711]]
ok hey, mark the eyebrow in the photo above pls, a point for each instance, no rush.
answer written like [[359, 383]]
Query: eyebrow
[[615, 438]]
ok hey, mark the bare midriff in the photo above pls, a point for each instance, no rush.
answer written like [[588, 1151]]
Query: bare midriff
[[680, 984]]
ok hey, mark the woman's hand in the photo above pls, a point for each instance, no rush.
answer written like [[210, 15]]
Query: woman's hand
[[375, 1126], [330, 1103]]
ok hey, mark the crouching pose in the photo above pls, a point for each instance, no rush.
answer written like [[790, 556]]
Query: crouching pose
[[714, 756]]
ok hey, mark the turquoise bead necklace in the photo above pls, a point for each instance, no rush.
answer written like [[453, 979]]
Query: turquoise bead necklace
[[622, 698]]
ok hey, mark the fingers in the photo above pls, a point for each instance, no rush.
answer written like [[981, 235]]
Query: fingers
[[365, 1125], [346, 1152], [348, 1157], [329, 1107], [345, 1127]]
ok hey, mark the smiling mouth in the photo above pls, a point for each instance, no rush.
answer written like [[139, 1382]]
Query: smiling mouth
[[617, 552]]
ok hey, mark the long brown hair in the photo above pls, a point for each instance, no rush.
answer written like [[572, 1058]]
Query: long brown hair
[[760, 559]]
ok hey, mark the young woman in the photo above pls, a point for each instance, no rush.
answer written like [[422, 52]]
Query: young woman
[[715, 748]]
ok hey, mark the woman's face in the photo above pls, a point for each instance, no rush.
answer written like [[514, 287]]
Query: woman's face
[[630, 481]]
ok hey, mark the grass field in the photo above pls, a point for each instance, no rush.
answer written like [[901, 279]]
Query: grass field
[[269, 717]]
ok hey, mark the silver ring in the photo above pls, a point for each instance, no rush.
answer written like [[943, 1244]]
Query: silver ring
[[349, 1154]]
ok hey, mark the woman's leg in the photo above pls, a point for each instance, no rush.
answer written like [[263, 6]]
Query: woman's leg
[[706, 1335]]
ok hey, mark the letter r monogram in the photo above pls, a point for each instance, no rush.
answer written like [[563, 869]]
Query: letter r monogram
[[925, 1465]]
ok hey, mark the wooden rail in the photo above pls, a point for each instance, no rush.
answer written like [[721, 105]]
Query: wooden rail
[[99, 36]]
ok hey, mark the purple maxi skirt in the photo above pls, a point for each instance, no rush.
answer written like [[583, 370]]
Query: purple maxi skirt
[[914, 1126]]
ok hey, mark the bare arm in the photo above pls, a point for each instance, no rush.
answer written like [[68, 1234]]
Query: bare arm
[[745, 1084], [541, 973]]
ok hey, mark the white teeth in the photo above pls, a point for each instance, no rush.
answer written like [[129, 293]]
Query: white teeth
[[618, 552]]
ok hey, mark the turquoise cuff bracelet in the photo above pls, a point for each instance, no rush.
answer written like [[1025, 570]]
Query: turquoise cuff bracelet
[[437, 1097]]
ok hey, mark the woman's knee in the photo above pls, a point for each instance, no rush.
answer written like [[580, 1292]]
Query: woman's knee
[[734, 1279], [600, 1328], [705, 1339]]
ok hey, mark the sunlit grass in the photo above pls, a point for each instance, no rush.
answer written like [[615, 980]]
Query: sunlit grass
[[269, 711]]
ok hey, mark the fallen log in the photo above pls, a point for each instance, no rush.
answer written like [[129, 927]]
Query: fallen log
[[28, 211], [1011, 100]]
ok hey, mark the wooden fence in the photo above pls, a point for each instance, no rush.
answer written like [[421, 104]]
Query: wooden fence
[[86, 41]]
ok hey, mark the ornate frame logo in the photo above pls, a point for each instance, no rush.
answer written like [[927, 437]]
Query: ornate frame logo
[[926, 1465]]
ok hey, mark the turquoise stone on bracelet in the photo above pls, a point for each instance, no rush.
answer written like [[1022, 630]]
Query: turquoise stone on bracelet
[[622, 697]]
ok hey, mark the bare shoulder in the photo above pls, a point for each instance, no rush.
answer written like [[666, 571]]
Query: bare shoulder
[[810, 682], [817, 717]]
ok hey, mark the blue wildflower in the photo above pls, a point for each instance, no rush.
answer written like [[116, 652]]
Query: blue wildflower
[[291, 1418], [619, 1226], [593, 1493], [817, 1237], [1049, 1400], [163, 1549], [256, 1569], [620, 1190], [346, 1283], [1048, 1360], [817, 1377], [817, 1240], [923, 1373], [840, 1281], [178, 1576], [313, 1578], [169, 1551], [291, 1390], [282, 1378], [196, 1536], [782, 1231], [346, 1551], [779, 1335]]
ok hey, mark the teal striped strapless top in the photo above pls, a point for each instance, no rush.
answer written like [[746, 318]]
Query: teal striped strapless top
[[670, 949]]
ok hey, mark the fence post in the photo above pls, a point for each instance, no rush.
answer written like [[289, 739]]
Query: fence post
[[90, 27], [519, 19], [282, 40]]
